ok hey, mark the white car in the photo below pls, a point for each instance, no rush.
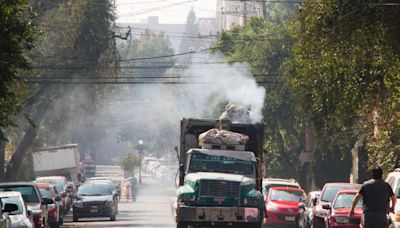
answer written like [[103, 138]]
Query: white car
[[393, 179], [20, 217]]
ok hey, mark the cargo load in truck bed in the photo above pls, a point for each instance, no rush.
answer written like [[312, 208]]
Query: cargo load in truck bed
[[222, 137]]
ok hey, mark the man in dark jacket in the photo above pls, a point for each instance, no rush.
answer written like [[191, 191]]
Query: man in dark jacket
[[376, 195]]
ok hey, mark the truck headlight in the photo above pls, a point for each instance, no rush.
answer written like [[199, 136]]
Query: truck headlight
[[342, 219], [185, 197]]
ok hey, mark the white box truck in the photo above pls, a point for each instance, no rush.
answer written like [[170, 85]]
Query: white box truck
[[62, 160]]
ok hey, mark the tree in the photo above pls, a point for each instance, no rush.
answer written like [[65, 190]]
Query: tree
[[347, 58], [267, 47], [16, 38], [189, 42], [86, 41], [129, 162]]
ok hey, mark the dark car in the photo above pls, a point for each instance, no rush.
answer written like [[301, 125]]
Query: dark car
[[33, 199], [304, 217], [328, 193], [95, 200]]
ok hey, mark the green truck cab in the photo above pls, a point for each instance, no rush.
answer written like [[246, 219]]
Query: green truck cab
[[220, 185]]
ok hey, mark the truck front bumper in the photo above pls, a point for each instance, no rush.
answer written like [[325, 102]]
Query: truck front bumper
[[218, 214]]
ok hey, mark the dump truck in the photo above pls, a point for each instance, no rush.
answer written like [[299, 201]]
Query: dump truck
[[220, 184], [62, 160]]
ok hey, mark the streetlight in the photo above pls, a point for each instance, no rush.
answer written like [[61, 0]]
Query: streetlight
[[140, 149]]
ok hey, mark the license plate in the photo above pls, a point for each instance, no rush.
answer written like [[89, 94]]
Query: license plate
[[94, 210], [290, 218]]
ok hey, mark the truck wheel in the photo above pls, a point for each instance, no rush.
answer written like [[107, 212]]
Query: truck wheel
[[181, 225], [257, 225]]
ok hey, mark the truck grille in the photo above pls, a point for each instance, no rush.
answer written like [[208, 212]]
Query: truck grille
[[217, 188]]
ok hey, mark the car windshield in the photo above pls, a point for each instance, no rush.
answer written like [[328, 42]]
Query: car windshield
[[287, 195], [14, 200], [45, 193], [28, 193], [330, 192], [211, 163], [346, 200], [94, 190], [268, 186]]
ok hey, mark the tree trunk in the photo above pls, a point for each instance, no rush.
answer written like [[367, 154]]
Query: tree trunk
[[26, 141], [2, 155]]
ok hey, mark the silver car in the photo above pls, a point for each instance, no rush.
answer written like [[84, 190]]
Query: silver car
[[20, 217]]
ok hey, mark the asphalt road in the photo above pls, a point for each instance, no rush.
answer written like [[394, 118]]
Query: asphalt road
[[151, 210]]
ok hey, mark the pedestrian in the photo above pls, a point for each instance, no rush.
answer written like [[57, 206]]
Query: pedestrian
[[376, 195], [128, 190]]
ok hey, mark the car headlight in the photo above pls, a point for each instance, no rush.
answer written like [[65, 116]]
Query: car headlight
[[271, 207], [342, 219], [79, 203]]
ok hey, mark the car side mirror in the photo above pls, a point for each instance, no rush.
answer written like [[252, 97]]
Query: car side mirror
[[58, 198], [301, 206], [314, 201], [30, 214], [46, 201], [181, 168], [9, 207], [326, 206]]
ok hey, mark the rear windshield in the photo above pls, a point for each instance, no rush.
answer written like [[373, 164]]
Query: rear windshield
[[13, 200], [28, 192], [330, 192], [346, 201]]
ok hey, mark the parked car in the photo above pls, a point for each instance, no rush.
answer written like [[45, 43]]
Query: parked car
[[95, 200], [281, 205], [328, 194], [338, 212], [393, 179], [304, 217], [17, 212], [62, 185], [268, 183], [33, 199], [55, 210]]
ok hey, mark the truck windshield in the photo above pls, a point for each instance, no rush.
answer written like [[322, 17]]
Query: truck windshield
[[221, 164]]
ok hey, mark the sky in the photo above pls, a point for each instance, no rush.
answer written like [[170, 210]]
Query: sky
[[169, 11]]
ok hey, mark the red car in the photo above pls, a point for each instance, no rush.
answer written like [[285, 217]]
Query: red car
[[320, 213], [281, 205], [55, 214], [338, 213]]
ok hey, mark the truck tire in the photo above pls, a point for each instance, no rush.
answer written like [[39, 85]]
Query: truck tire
[[257, 225], [181, 225]]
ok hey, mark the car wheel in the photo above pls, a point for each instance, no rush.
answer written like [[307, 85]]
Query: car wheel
[[181, 225], [113, 217], [75, 218]]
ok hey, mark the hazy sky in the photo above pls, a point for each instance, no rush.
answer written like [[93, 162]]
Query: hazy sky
[[169, 11]]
